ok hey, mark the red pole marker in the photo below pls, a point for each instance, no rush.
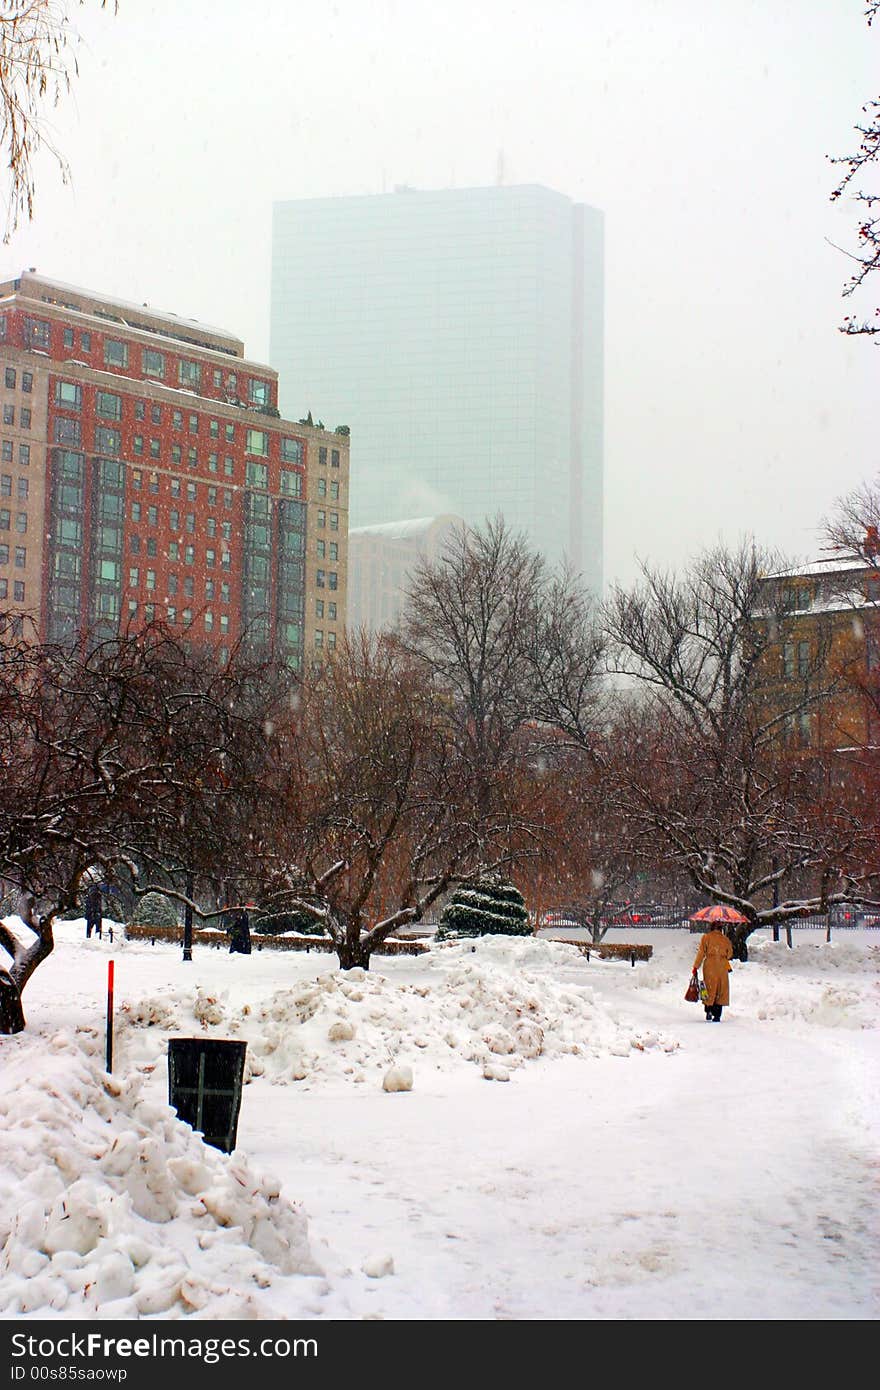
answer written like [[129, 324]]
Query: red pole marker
[[110, 1015]]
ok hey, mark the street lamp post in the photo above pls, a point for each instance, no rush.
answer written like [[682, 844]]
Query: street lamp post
[[188, 920]]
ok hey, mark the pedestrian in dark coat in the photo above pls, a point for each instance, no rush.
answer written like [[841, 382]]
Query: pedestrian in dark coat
[[240, 934]]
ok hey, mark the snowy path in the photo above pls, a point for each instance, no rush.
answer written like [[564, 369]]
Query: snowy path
[[615, 1194]]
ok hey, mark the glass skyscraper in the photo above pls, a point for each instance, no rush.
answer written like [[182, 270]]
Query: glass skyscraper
[[459, 334]]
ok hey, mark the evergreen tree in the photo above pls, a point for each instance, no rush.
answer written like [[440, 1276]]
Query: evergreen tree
[[485, 909], [154, 910]]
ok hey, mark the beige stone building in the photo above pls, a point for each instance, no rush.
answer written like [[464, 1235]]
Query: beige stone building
[[381, 560]]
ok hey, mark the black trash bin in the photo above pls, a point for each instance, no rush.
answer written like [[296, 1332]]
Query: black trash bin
[[205, 1077]]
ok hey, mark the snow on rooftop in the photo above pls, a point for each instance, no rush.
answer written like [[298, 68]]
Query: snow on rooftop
[[404, 530], [124, 306]]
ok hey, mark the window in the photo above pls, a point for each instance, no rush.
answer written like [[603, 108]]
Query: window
[[155, 414], [109, 570], [322, 487], [6, 485], [212, 463], [27, 382], [194, 424], [334, 458], [20, 557], [188, 585], [331, 639], [115, 353], [140, 411], [226, 530], [291, 450], [4, 554], [134, 545], [788, 659], [107, 405], [319, 608], [257, 474], [322, 456], [211, 526], [152, 516], [191, 492], [321, 549], [209, 621], [322, 518], [803, 658], [214, 429], [86, 341], [171, 614], [68, 337], [68, 394], [5, 515], [10, 378], [334, 491], [149, 612], [107, 441], [9, 414], [192, 458], [175, 487], [228, 466], [334, 550], [320, 579], [226, 560], [227, 497], [66, 431], [172, 585], [334, 521], [21, 522], [134, 577], [151, 579], [224, 622], [4, 588], [137, 445], [173, 550], [153, 362], [189, 555], [230, 433], [189, 373], [154, 482], [331, 612], [174, 519], [177, 419], [36, 332], [137, 478], [22, 489], [257, 442], [154, 448], [319, 637], [209, 588], [18, 591], [258, 392], [332, 580], [151, 546], [191, 522], [175, 453], [25, 418], [224, 592], [210, 558], [212, 497], [291, 483], [218, 377]]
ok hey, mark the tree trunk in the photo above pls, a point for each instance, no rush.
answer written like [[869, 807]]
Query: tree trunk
[[738, 939], [11, 1012], [353, 955]]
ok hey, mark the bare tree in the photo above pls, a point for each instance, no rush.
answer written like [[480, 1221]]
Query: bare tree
[[136, 750], [852, 531], [37, 62], [379, 814], [856, 166]]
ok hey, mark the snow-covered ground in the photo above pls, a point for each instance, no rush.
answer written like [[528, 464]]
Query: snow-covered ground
[[577, 1143]]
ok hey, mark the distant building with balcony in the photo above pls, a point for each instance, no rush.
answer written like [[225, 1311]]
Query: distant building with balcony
[[147, 474]]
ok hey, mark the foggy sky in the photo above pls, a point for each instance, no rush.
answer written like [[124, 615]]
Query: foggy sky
[[732, 403]]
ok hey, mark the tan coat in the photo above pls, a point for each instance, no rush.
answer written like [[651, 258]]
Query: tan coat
[[714, 953]]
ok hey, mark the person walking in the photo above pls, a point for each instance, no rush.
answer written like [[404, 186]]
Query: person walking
[[714, 954]]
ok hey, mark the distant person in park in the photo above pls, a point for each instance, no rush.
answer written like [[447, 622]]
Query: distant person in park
[[94, 904], [240, 935], [714, 955]]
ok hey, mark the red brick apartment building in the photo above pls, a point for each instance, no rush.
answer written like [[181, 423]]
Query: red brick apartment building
[[146, 472]]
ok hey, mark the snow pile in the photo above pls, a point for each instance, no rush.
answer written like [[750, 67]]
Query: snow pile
[[496, 1003], [109, 1203], [795, 984]]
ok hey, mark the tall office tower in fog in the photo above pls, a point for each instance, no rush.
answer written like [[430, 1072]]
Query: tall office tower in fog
[[459, 334]]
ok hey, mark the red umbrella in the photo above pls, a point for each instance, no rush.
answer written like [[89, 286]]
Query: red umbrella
[[718, 912]]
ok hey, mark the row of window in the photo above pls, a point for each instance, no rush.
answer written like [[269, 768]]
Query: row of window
[[319, 638], [213, 590], [6, 487], [168, 613], [6, 520], [334, 489], [334, 520], [150, 514], [326, 579], [334, 457], [117, 353], [24, 453], [177, 553], [20, 556], [27, 380], [24, 416], [319, 610], [796, 657], [17, 590], [325, 551]]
